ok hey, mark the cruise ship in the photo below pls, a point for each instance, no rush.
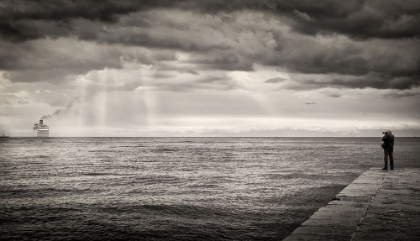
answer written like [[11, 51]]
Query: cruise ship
[[42, 130]]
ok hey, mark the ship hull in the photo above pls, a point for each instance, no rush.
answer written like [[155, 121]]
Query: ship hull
[[43, 133]]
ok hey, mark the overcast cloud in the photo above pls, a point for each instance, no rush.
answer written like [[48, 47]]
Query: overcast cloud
[[218, 68]]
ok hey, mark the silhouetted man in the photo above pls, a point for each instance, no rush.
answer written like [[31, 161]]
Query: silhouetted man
[[388, 146]]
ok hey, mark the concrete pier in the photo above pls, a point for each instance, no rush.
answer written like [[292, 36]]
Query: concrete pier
[[378, 205]]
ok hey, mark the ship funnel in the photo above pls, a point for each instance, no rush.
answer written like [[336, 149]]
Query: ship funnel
[[41, 122]]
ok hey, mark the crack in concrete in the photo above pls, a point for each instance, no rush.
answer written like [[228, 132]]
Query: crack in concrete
[[367, 209]]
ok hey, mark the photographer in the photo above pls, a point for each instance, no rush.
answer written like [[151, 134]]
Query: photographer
[[388, 147]]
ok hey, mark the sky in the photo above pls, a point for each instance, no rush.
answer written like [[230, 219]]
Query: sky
[[183, 68]]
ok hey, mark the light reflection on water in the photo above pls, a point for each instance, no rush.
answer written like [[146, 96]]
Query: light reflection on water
[[177, 188]]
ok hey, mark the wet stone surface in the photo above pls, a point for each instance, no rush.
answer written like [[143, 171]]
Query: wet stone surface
[[378, 205]]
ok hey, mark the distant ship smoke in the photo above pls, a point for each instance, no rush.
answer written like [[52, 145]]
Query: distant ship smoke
[[59, 112]]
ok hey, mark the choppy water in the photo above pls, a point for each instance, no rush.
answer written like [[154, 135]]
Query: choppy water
[[177, 188]]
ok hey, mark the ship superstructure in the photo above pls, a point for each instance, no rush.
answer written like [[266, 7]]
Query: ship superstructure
[[42, 130]]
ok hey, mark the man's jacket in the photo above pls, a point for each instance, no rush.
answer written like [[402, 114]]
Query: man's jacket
[[388, 140]]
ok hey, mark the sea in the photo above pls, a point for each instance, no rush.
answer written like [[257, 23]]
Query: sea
[[177, 188]]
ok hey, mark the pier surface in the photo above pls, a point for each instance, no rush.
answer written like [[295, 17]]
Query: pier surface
[[378, 205]]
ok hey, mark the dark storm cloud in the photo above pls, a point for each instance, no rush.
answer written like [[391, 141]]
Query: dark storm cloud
[[350, 58], [403, 94], [193, 72], [372, 80], [218, 39], [60, 10], [359, 18], [223, 61], [54, 60], [103, 10], [275, 80], [334, 95], [11, 33], [374, 63]]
